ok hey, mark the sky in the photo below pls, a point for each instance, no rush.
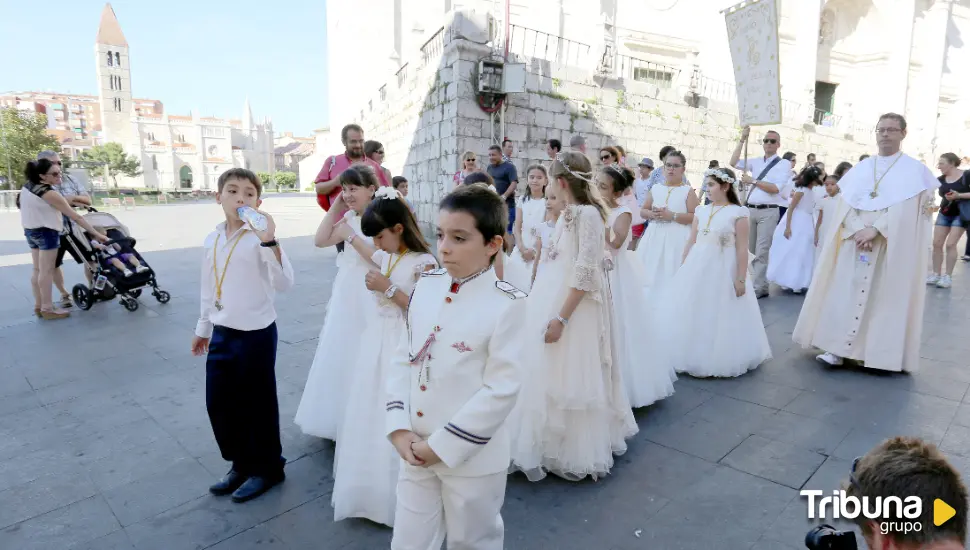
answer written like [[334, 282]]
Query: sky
[[206, 55]]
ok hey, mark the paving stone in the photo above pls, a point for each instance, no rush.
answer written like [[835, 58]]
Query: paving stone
[[305, 481], [698, 437], [117, 540], [43, 494], [257, 538], [137, 463], [777, 461], [73, 526], [956, 441], [153, 494], [192, 526], [808, 433], [93, 447]]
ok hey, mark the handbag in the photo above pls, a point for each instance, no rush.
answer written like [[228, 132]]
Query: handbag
[[964, 205]]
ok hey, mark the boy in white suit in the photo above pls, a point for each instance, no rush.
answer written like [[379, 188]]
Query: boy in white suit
[[453, 383]]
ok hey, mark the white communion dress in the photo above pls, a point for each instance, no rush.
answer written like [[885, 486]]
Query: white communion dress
[[791, 261], [366, 465], [662, 247], [702, 297], [646, 381], [519, 271], [349, 310]]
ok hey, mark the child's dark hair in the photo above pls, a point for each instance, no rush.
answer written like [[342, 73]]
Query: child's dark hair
[[842, 168], [722, 177], [527, 195], [396, 181], [479, 177], [809, 176], [360, 175], [37, 168], [385, 213], [621, 176], [240, 174], [486, 206]]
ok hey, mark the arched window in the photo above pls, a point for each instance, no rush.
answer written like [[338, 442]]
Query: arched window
[[117, 59], [110, 59]]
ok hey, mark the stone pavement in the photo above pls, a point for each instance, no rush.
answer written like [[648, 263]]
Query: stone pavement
[[105, 443]]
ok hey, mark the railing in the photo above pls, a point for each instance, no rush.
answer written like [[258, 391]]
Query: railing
[[542, 45], [827, 119], [433, 47], [716, 90], [662, 76], [402, 75]]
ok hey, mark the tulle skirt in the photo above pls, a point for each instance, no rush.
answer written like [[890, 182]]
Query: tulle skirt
[[351, 306], [702, 328], [518, 272], [572, 415], [792, 261], [366, 465], [660, 253], [646, 380]]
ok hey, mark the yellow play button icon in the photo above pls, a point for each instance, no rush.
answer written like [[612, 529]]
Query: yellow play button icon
[[942, 512]]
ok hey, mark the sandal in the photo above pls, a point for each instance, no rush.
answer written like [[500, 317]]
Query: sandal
[[54, 315], [37, 312], [66, 301]]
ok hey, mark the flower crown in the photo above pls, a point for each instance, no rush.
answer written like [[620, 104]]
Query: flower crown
[[721, 176], [585, 176], [387, 193]]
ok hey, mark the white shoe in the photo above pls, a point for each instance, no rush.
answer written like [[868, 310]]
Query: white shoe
[[799, 291], [141, 269], [127, 273], [932, 279], [830, 358], [945, 282]]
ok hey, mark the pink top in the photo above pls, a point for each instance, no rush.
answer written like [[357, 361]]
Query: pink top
[[334, 165]]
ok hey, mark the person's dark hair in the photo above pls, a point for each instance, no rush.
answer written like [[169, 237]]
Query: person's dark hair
[[396, 181], [37, 168], [810, 157], [613, 151], [863, 157], [506, 140], [665, 150], [788, 156], [479, 177], [777, 135], [809, 177], [484, 205], [555, 144], [495, 148], [713, 164], [834, 177], [841, 169], [371, 147], [527, 195], [240, 174], [384, 214], [621, 176], [903, 467], [622, 152], [951, 158], [346, 130], [680, 155], [721, 176], [575, 169], [360, 175], [894, 116]]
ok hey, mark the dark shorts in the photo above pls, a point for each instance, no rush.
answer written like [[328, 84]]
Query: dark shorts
[[43, 238], [66, 247], [943, 220]]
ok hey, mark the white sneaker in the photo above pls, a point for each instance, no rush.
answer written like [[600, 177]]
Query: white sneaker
[[945, 282], [932, 279], [127, 273], [830, 358], [141, 269]]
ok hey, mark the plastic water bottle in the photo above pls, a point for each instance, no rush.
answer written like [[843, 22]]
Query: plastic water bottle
[[249, 215]]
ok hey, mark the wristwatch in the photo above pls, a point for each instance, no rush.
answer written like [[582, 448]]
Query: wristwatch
[[389, 293], [350, 239], [270, 244], [562, 320]]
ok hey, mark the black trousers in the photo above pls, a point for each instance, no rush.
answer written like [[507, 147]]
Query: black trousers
[[781, 212], [240, 396]]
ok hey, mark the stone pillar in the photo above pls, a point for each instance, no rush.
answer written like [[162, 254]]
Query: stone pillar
[[923, 114], [806, 48], [900, 35]]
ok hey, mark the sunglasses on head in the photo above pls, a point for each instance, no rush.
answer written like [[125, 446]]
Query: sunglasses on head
[[770, 140]]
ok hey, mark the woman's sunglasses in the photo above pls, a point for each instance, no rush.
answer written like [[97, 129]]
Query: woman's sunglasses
[[605, 158]]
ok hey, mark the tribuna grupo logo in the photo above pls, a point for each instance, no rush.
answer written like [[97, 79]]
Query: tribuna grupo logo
[[893, 514]]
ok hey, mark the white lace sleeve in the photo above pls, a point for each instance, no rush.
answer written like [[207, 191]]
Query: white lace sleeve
[[590, 231], [426, 262]]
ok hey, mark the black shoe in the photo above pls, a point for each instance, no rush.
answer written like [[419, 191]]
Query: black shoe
[[232, 481], [761, 295], [256, 486]]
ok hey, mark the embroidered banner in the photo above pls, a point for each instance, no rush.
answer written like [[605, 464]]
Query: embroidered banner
[[752, 28]]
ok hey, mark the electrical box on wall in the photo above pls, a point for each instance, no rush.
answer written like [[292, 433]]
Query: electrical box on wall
[[497, 77]]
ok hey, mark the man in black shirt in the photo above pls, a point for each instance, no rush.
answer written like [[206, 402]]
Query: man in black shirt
[[506, 181]]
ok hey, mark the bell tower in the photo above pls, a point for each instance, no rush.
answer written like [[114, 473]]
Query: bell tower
[[114, 80]]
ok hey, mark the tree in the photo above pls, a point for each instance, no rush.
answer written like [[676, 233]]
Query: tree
[[24, 135], [114, 159], [265, 178], [286, 179]]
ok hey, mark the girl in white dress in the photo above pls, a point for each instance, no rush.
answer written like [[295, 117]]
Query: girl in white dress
[[325, 394], [826, 212], [554, 207], [669, 210], [645, 380], [711, 290], [574, 414], [792, 253], [365, 465], [530, 212]]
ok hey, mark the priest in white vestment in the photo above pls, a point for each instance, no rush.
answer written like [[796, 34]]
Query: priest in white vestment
[[867, 293]]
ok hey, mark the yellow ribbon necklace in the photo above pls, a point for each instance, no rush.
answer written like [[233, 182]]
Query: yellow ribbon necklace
[[225, 267], [707, 228], [391, 267]]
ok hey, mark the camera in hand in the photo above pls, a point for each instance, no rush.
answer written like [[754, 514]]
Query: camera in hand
[[826, 537]]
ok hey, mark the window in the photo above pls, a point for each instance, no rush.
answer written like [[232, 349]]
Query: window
[[117, 59], [111, 82], [154, 163], [151, 136], [110, 60], [824, 103], [661, 79]]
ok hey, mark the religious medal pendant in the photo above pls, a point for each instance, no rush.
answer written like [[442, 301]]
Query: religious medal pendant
[[218, 305], [705, 231], [873, 194]]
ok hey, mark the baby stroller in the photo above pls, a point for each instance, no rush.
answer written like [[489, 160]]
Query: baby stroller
[[109, 281]]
